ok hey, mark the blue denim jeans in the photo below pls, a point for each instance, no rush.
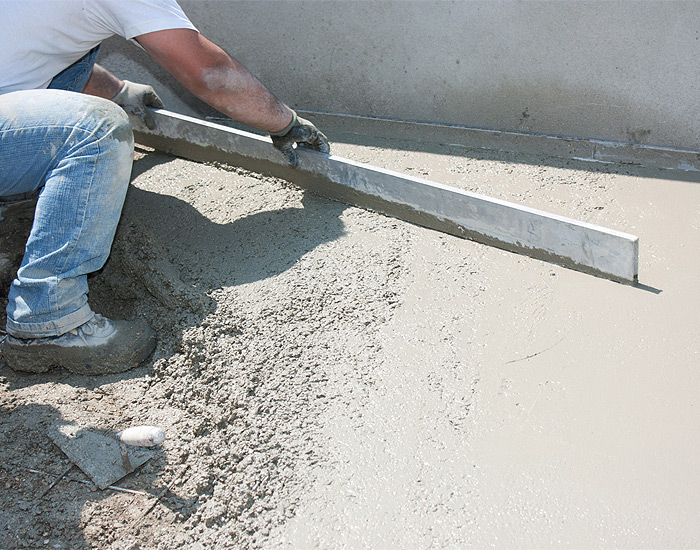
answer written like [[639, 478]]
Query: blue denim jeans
[[77, 151], [75, 77]]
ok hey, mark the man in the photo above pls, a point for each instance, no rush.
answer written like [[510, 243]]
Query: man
[[76, 149]]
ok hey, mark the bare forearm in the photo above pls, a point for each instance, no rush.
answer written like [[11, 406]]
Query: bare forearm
[[230, 88], [102, 83], [216, 78]]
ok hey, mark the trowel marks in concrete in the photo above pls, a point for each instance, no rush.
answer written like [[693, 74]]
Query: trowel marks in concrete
[[577, 245]]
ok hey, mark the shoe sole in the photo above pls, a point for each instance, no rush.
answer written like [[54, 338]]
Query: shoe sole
[[78, 360]]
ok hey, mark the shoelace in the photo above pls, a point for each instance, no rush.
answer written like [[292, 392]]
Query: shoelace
[[93, 325], [90, 328]]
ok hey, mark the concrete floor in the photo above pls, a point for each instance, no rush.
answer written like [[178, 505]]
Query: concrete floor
[[333, 378], [525, 405]]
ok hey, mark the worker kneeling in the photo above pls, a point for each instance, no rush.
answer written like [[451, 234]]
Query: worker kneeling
[[64, 132], [76, 150]]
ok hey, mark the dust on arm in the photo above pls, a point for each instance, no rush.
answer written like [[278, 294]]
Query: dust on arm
[[216, 78], [102, 83]]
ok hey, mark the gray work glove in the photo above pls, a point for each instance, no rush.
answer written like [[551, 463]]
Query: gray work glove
[[134, 98], [300, 132]]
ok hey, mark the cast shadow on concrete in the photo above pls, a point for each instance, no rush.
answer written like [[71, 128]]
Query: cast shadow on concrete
[[15, 224], [210, 255], [38, 510], [169, 259]]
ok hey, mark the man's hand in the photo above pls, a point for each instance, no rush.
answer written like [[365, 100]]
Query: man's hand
[[134, 98], [304, 134]]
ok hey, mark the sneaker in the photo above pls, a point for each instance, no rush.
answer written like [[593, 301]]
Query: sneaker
[[99, 346]]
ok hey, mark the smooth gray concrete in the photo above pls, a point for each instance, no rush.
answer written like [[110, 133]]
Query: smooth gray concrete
[[510, 226], [622, 70]]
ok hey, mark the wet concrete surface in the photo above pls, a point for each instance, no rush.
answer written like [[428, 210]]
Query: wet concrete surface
[[522, 404], [334, 378]]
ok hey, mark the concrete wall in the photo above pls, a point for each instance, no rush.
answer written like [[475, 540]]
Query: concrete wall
[[623, 70]]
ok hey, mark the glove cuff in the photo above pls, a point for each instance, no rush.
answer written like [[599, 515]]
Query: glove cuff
[[288, 127], [121, 93]]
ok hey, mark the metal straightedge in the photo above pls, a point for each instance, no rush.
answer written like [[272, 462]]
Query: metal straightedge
[[581, 246]]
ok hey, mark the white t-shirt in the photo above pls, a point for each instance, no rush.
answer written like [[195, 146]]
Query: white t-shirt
[[40, 38]]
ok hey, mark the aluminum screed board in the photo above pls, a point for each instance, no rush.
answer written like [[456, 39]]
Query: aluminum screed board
[[577, 245]]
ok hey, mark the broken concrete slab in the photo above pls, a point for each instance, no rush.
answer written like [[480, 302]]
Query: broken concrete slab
[[97, 453], [585, 247]]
